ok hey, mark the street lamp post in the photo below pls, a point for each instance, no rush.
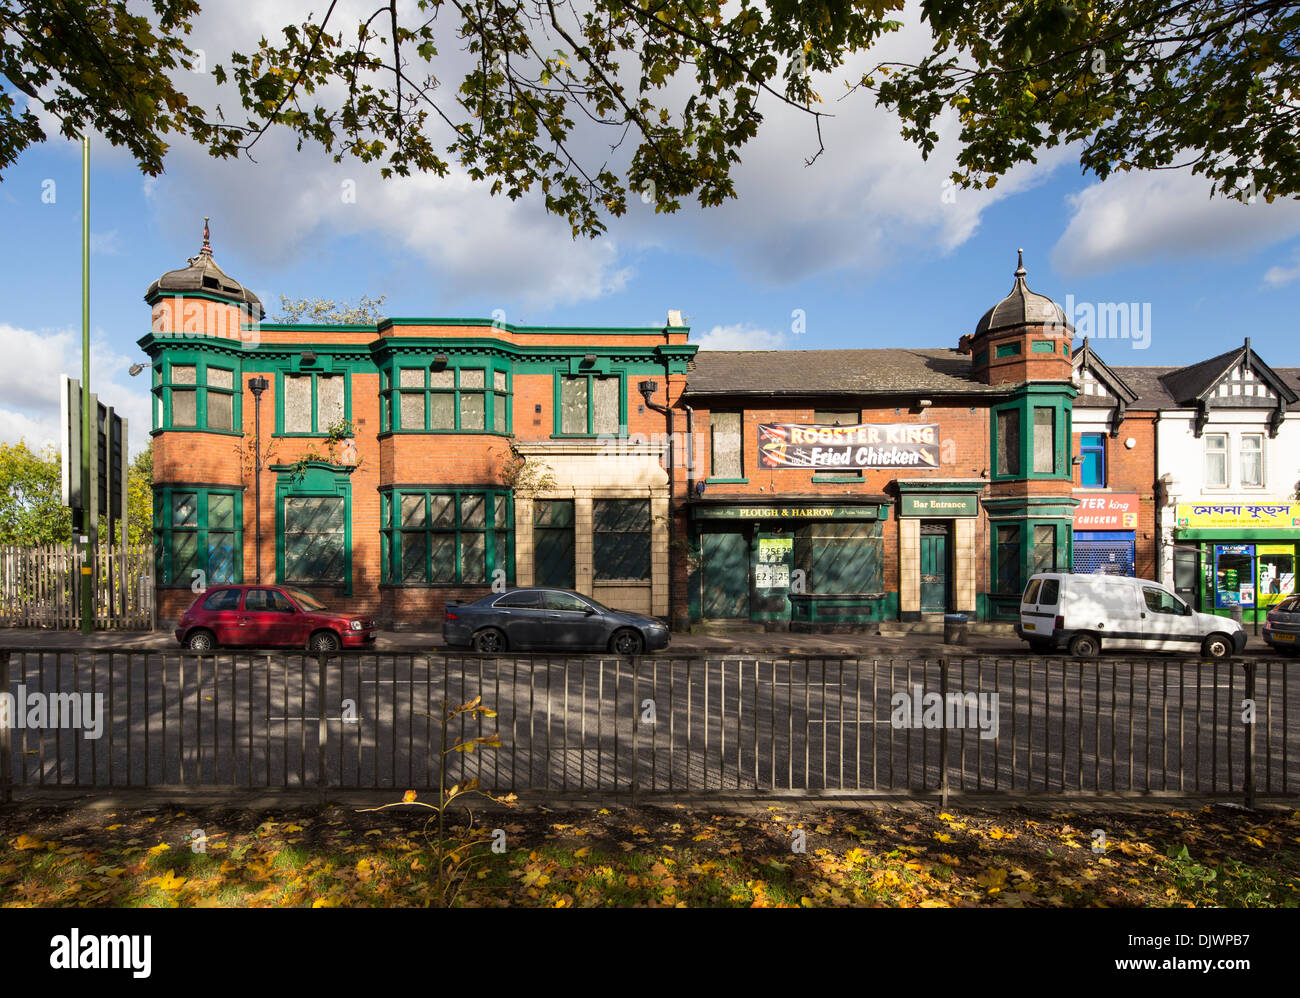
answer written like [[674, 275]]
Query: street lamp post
[[257, 386]]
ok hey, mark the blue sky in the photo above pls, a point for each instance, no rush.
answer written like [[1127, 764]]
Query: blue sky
[[864, 242]]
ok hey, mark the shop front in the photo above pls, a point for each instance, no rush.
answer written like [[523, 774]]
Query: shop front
[[1105, 533], [1236, 555], [789, 563]]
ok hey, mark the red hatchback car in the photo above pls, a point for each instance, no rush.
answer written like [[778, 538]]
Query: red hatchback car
[[265, 616]]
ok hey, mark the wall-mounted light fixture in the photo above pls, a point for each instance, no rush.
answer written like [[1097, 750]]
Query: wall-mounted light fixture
[[439, 360], [135, 369], [309, 357], [924, 403], [588, 359]]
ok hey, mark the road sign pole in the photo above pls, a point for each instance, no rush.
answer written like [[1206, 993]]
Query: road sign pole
[[87, 441]]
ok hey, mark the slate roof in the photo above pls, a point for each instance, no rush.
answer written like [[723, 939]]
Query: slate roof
[[886, 371], [1179, 387]]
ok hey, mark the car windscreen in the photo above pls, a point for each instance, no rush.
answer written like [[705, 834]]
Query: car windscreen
[[306, 600]]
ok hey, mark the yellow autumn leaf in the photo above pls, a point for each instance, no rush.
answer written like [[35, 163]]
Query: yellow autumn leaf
[[167, 882], [29, 842], [161, 847], [408, 797]]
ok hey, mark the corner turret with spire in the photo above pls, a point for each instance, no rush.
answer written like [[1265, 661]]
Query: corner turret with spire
[[1024, 337]]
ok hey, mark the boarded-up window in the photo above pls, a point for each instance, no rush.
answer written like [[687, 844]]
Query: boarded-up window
[[1008, 448], [1044, 440], [314, 532], [725, 430], [1044, 555], [621, 539], [573, 405], [329, 401], [605, 418], [297, 403]]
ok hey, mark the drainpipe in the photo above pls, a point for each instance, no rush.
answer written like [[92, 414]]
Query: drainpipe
[[647, 389]]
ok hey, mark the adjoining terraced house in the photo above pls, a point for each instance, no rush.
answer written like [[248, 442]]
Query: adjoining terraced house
[[848, 487]]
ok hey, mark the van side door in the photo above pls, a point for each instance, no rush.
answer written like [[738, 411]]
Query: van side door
[[1165, 624]]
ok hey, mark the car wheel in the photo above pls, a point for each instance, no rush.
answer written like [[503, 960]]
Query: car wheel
[[1085, 646], [489, 641], [201, 640], [323, 642], [627, 643], [1217, 646]]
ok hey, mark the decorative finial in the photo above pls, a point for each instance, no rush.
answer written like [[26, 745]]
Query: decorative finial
[[207, 239], [1020, 263]]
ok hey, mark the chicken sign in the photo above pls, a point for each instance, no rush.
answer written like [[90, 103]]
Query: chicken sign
[[863, 445]]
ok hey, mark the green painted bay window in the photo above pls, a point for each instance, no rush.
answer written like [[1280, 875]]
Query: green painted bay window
[[192, 393], [445, 537], [198, 535], [424, 399], [310, 403], [590, 404]]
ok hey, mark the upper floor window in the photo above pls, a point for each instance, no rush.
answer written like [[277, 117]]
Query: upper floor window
[[1252, 461], [1044, 440], [1092, 452], [313, 403], [590, 404], [727, 457], [1216, 460], [194, 395], [449, 400], [1008, 442]]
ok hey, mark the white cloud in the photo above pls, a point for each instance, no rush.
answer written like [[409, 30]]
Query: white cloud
[[1282, 274], [1140, 217], [29, 387], [740, 337]]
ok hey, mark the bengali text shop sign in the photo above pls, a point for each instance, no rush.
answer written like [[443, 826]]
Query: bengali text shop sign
[[863, 445], [1112, 511], [1282, 514]]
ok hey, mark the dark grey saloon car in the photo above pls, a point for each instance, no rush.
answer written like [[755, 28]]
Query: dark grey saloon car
[[536, 618], [1282, 628]]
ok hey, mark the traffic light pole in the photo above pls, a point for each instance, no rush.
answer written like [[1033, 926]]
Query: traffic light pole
[[86, 537]]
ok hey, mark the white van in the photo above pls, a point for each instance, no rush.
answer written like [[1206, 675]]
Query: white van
[[1086, 613]]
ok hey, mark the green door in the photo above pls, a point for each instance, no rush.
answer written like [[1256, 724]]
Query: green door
[[934, 567], [725, 572]]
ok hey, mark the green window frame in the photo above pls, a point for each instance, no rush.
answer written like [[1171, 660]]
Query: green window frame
[[421, 397], [446, 537], [197, 529], [305, 400], [1007, 349], [838, 417], [1029, 437], [192, 392], [621, 538], [576, 416], [841, 556]]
